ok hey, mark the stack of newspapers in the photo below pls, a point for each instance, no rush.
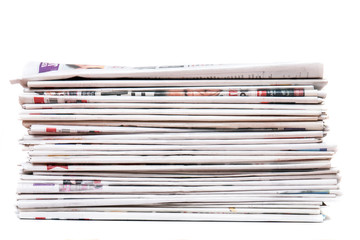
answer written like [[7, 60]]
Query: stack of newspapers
[[185, 143]]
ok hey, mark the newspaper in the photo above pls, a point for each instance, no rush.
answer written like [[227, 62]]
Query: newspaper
[[173, 216], [159, 178], [180, 153], [101, 91], [184, 183], [183, 210], [180, 135], [318, 195], [152, 105], [172, 159], [192, 200], [190, 112], [168, 118], [28, 167], [175, 143], [238, 126], [318, 84], [36, 99], [36, 129], [232, 147], [139, 90], [156, 201], [36, 71], [196, 175], [185, 92]]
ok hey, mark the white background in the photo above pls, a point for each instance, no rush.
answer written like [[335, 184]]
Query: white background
[[185, 32]]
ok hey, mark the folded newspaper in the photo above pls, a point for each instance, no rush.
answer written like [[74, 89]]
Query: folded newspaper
[[175, 143]]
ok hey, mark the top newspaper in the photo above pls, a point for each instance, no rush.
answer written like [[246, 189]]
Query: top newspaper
[[39, 71]]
